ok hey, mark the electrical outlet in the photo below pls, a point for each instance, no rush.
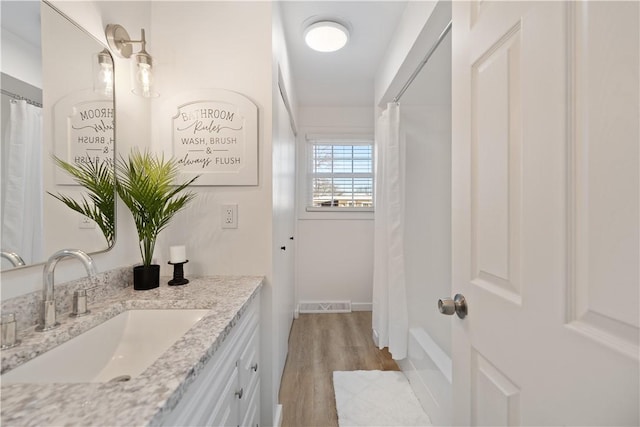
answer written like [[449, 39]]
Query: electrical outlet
[[230, 216], [86, 222]]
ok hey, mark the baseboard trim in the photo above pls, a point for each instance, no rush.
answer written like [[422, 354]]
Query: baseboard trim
[[361, 306], [277, 416]]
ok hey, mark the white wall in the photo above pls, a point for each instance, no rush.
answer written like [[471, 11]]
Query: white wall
[[226, 45], [21, 59], [284, 176], [335, 261], [334, 258], [391, 74]]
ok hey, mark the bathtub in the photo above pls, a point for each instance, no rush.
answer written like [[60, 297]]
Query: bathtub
[[429, 370]]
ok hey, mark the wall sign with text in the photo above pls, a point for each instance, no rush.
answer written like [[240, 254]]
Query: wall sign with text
[[214, 133], [84, 132]]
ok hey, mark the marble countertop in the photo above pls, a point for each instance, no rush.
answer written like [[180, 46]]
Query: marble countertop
[[149, 397]]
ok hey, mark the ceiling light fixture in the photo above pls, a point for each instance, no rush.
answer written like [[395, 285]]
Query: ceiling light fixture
[[326, 36], [120, 42]]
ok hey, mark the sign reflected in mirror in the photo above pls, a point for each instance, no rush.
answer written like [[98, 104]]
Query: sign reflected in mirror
[[57, 102]]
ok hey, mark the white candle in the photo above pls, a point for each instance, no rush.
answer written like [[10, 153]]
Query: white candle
[[177, 254]]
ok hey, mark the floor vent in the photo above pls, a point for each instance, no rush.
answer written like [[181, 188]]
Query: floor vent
[[325, 307]]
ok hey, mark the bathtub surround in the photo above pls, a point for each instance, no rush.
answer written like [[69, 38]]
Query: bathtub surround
[[149, 398]]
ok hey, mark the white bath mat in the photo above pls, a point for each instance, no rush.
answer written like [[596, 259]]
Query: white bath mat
[[376, 398]]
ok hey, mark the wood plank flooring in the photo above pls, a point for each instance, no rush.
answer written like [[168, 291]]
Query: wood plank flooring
[[318, 345]]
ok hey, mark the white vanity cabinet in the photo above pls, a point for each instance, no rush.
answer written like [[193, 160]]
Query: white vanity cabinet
[[227, 390]]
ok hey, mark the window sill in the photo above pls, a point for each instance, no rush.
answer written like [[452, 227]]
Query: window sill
[[337, 209], [335, 213]]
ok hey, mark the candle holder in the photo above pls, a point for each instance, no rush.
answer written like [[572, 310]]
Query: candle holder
[[178, 274]]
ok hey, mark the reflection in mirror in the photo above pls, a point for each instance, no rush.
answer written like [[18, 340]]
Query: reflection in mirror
[[57, 102]]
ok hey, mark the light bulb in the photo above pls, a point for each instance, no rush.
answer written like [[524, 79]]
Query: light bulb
[[145, 79], [105, 76], [103, 73]]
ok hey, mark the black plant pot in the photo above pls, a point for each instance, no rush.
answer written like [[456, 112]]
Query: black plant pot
[[146, 277]]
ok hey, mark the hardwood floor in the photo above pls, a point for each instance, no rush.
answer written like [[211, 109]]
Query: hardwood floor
[[318, 345]]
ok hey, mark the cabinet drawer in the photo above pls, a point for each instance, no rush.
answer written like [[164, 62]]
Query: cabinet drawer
[[249, 367], [252, 411], [225, 413]]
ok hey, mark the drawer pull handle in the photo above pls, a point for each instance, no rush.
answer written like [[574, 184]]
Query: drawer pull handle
[[254, 367], [239, 393]]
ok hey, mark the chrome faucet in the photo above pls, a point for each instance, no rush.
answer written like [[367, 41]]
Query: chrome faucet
[[13, 258], [48, 315]]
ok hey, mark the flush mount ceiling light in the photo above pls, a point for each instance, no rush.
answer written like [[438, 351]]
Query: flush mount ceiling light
[[120, 42], [326, 36]]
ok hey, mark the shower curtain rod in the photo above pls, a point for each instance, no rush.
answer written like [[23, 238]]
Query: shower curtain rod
[[20, 98], [423, 63]]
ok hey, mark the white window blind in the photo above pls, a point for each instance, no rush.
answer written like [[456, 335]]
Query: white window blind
[[340, 174]]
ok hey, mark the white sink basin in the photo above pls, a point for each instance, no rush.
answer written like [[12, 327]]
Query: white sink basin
[[116, 350]]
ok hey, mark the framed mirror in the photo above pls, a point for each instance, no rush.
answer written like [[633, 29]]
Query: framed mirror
[[57, 102]]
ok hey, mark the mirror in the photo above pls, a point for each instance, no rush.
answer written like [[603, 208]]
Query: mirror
[[57, 100]]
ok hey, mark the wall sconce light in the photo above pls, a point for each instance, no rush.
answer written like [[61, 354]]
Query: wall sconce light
[[120, 42], [103, 73], [326, 36]]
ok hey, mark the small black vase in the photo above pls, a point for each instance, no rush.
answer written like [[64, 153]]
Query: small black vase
[[146, 277]]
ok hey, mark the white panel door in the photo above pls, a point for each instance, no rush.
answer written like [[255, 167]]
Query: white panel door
[[545, 212]]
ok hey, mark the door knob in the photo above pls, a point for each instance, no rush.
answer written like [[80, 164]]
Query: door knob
[[456, 305]]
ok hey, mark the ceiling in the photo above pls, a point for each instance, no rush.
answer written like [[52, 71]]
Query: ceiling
[[22, 18], [346, 77], [342, 78]]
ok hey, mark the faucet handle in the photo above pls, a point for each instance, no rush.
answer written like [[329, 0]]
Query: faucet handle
[[80, 303], [9, 331]]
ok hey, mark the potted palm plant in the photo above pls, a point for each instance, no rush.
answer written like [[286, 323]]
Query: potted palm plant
[[145, 183], [98, 179]]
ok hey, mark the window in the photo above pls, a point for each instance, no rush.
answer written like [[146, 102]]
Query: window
[[340, 174]]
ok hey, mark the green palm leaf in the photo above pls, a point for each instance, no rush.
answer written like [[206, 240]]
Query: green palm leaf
[[99, 181], [145, 185]]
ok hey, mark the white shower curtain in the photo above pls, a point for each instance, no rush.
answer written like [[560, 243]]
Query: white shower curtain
[[22, 189], [390, 313]]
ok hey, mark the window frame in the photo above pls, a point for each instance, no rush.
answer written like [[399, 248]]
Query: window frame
[[313, 140]]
